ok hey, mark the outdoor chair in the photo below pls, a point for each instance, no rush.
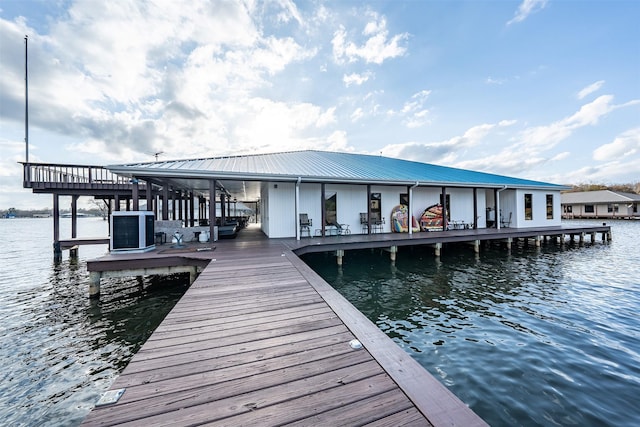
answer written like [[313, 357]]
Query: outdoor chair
[[364, 222], [305, 224], [506, 222], [340, 229], [333, 229], [377, 223]]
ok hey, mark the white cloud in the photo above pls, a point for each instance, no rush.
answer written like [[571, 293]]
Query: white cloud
[[494, 81], [356, 79], [533, 143], [526, 8], [413, 112], [619, 171], [443, 152], [357, 114], [627, 144], [590, 89], [376, 48], [561, 156], [545, 137]]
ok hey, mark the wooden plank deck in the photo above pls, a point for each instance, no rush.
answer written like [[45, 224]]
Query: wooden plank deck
[[260, 339], [378, 240]]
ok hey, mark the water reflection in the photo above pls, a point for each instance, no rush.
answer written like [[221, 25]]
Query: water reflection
[[532, 336], [67, 349]]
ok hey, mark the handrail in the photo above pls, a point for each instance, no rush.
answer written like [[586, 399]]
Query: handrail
[[70, 174]]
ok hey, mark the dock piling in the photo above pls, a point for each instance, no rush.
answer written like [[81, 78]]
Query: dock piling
[[393, 250], [94, 284], [438, 248]]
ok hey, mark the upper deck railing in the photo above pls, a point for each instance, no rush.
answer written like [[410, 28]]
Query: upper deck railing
[[47, 175]]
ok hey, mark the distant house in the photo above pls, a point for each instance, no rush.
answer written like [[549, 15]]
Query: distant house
[[329, 187], [600, 204]]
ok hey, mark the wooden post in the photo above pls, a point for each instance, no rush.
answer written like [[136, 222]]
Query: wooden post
[[475, 209], [393, 250], [223, 212], [173, 205], [149, 196], [538, 241], [74, 216], [212, 209], [438, 248], [135, 197], [193, 273], [444, 209], [323, 216], [94, 284], [369, 208], [57, 252], [192, 209], [165, 202], [339, 256]]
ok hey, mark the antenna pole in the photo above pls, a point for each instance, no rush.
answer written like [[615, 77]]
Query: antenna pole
[[26, 103]]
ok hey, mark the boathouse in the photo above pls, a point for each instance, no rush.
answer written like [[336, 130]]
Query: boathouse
[[317, 193], [600, 204]]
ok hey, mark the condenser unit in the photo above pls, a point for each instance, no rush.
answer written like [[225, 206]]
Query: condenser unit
[[132, 231]]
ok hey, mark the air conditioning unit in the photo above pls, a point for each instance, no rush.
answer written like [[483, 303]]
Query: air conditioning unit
[[132, 231]]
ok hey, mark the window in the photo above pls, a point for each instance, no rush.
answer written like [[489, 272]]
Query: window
[[528, 206], [589, 209], [568, 209], [331, 212], [549, 206], [376, 209], [404, 199], [612, 208]]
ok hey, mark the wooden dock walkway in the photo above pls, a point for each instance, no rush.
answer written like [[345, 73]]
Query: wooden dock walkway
[[260, 339]]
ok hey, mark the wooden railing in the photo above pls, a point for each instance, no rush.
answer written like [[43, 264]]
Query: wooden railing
[[69, 174]]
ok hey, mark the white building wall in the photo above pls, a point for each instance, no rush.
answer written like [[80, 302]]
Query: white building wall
[[509, 206], [389, 199], [280, 218], [350, 201], [539, 206], [461, 203], [311, 204]]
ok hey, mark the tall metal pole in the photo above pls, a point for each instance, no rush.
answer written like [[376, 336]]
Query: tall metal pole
[[26, 103]]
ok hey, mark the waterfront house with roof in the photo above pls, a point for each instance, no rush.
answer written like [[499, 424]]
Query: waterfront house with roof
[[600, 204], [343, 188]]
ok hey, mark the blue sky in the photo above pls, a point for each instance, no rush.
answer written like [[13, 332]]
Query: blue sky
[[538, 89]]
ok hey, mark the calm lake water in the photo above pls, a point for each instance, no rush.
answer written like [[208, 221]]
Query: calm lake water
[[547, 337], [59, 350], [536, 337]]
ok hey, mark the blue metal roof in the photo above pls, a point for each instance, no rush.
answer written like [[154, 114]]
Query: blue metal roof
[[324, 166]]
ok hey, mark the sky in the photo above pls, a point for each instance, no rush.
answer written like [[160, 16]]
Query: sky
[[537, 89]]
